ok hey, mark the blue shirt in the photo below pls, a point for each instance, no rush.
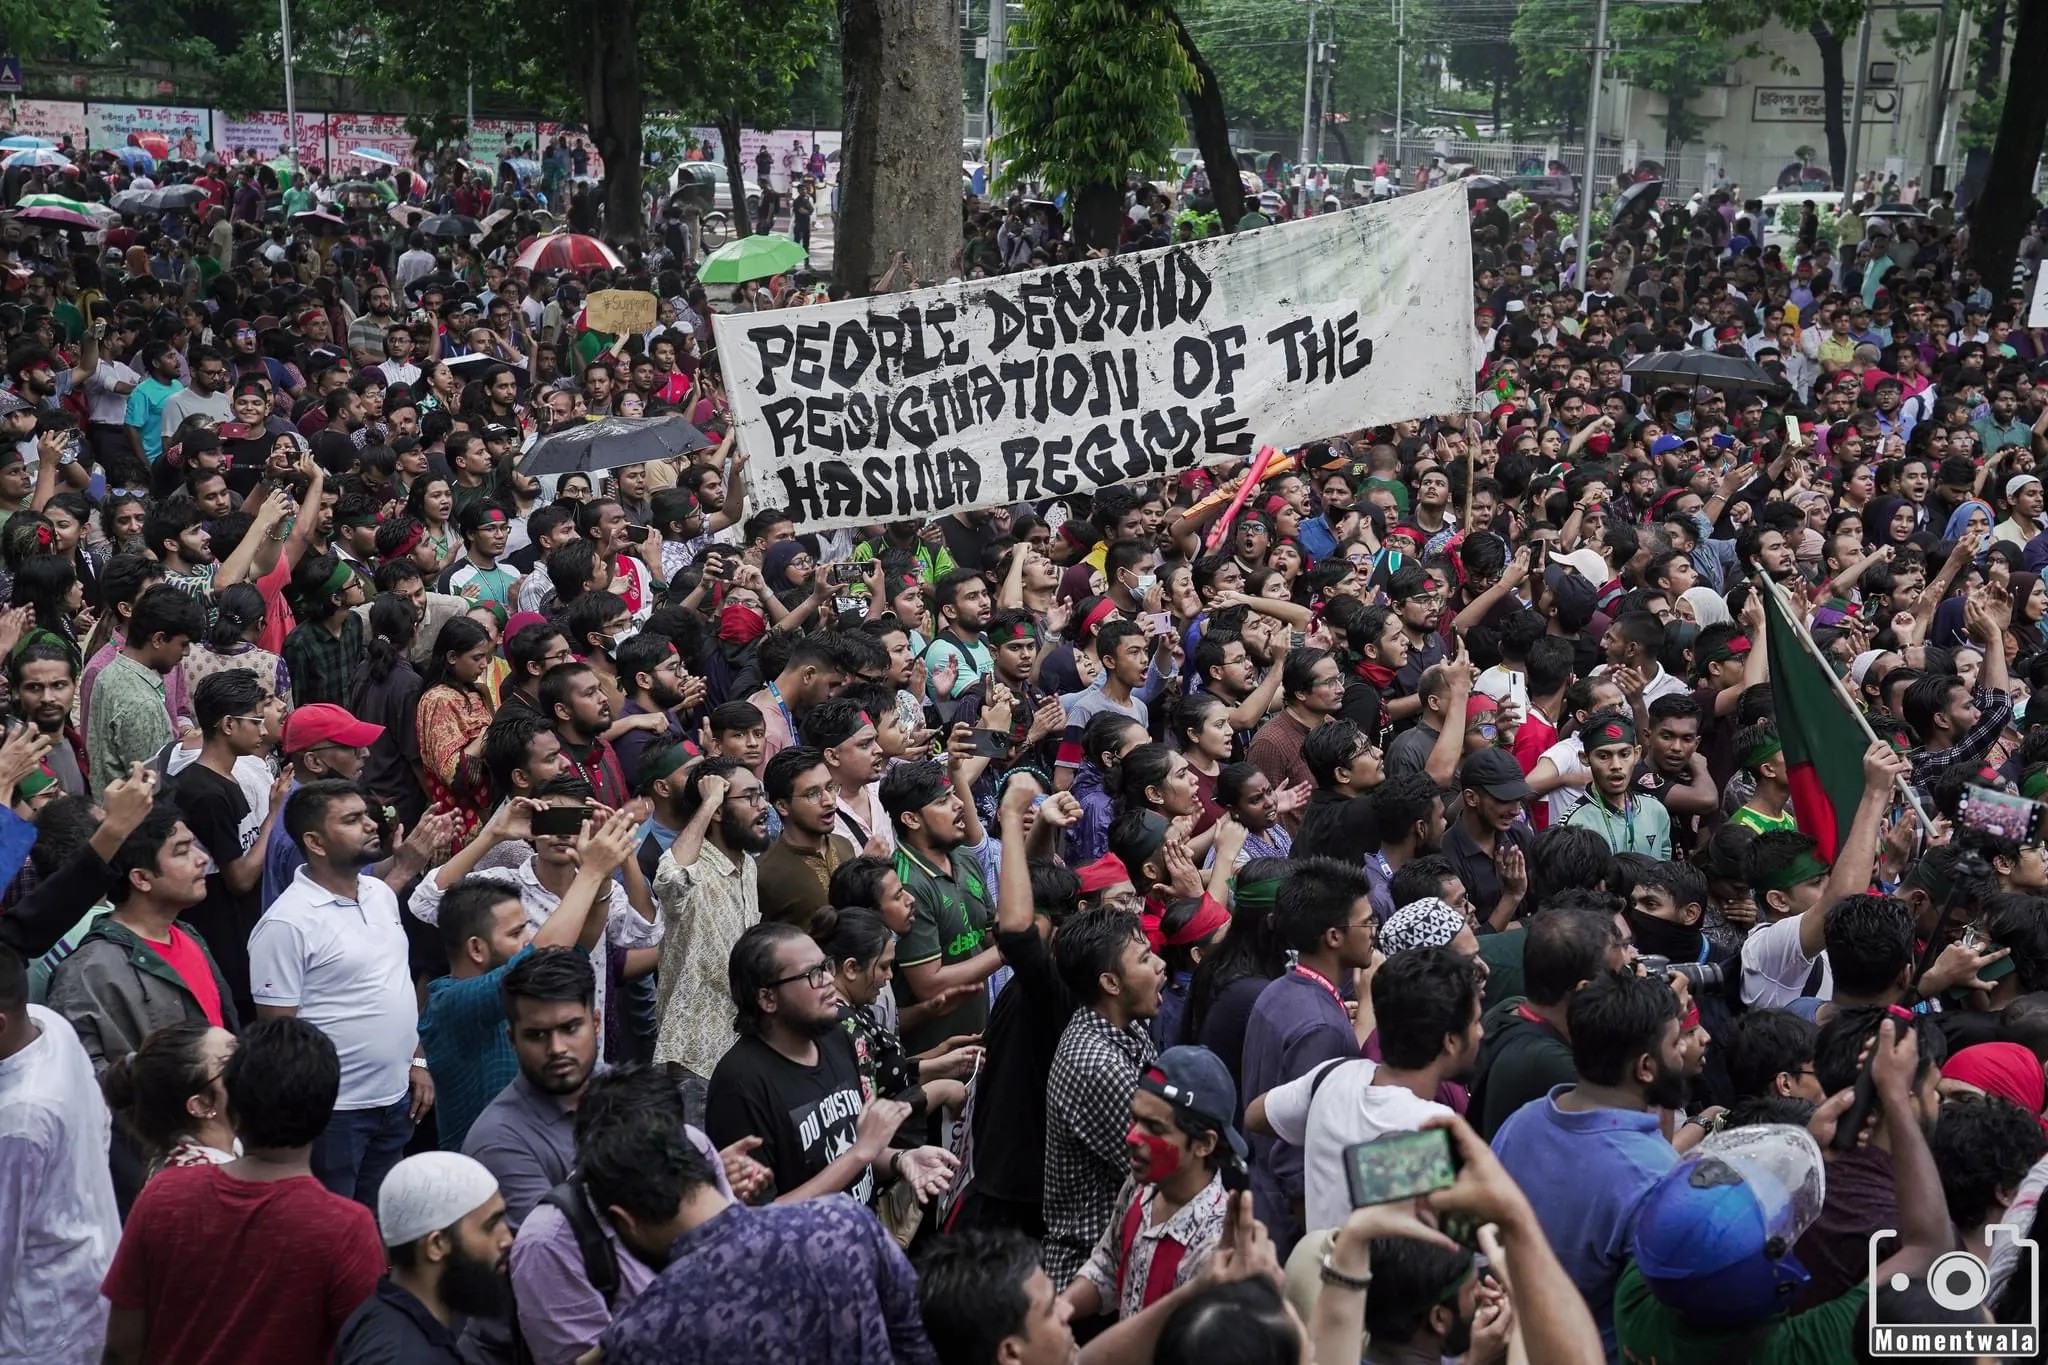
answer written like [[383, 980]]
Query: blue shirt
[[281, 860], [462, 1036], [146, 413], [1296, 1026], [1585, 1173], [818, 1282]]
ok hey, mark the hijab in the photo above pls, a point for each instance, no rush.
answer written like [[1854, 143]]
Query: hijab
[[1877, 520], [1960, 518], [2019, 588], [775, 563], [1076, 583], [1948, 623], [1709, 608]]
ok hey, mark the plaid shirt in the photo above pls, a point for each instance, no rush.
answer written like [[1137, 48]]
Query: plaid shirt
[[321, 661], [1994, 713], [1087, 1113]]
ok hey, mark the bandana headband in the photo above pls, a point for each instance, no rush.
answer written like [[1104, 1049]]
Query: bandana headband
[[1734, 647], [1097, 615], [405, 547], [338, 580], [1803, 868], [1023, 630], [1618, 730], [663, 765], [2034, 785], [1763, 751]]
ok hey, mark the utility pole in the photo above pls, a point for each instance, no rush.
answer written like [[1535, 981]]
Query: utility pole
[[1400, 79], [1856, 108], [998, 38], [1308, 99], [1937, 104], [1588, 177], [291, 99], [469, 112], [1328, 57]]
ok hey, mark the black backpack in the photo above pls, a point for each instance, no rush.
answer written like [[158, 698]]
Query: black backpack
[[600, 1261]]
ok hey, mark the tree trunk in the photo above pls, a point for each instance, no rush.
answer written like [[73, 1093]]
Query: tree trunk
[[1500, 63], [2000, 213], [1212, 129], [1991, 69], [1674, 126], [613, 101], [742, 223], [1098, 212], [1833, 93], [899, 174]]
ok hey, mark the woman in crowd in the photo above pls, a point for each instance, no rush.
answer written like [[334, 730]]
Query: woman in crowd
[[385, 691], [239, 615], [454, 712], [167, 1095]]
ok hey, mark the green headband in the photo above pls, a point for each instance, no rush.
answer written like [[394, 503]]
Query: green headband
[[1612, 730], [336, 581], [1762, 750], [1803, 868], [663, 764], [2034, 785], [1256, 895], [1734, 647]]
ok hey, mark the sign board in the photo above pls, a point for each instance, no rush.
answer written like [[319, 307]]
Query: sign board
[[10, 74], [1808, 104], [264, 132], [620, 312], [2037, 311], [383, 132], [188, 132], [1059, 381], [53, 119]]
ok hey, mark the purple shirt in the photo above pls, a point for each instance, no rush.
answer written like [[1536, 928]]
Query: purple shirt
[[560, 1315], [1296, 1026], [177, 699], [819, 1282]]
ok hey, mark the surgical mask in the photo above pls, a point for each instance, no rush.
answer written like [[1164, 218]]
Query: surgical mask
[[1146, 582], [1682, 420]]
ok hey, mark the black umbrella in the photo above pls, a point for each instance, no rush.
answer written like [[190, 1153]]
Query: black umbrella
[[1486, 187], [450, 225], [178, 196], [1708, 368], [1907, 211], [1638, 198], [134, 201], [474, 366], [611, 442]]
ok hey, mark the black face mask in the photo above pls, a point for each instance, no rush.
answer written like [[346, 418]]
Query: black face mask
[[1679, 942]]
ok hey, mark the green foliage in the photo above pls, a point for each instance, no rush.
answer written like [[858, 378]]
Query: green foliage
[[1090, 93], [1257, 50], [1910, 34], [1978, 125], [1668, 50]]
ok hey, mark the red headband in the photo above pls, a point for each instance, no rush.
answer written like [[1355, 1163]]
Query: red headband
[[1097, 615], [411, 542], [1204, 922]]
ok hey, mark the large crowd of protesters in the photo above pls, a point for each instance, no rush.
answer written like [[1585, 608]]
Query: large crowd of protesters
[[457, 915]]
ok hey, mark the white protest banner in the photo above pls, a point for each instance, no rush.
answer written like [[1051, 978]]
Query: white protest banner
[[1058, 381], [2037, 310]]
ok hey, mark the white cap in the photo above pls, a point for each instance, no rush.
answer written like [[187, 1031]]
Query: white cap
[[1516, 305], [431, 1191], [1859, 667], [2017, 482]]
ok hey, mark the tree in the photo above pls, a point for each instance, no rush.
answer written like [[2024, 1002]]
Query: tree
[[899, 167], [2001, 212], [1093, 94], [1830, 23], [1212, 130], [1488, 57]]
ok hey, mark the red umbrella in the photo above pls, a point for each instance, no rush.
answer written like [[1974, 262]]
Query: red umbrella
[[156, 144], [568, 251]]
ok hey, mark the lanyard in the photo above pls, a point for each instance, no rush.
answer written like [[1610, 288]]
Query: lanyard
[[1313, 975], [787, 719]]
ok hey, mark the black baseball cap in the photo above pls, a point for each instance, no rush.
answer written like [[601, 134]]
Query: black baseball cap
[[1495, 772]]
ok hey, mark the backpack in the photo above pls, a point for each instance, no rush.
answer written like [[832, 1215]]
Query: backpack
[[600, 1261]]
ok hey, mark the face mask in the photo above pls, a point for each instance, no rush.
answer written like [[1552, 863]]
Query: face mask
[[1162, 1159], [1679, 942], [1146, 582], [1682, 420]]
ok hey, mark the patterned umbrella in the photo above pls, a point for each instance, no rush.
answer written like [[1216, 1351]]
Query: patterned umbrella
[[53, 201], [39, 156], [23, 142], [60, 218], [568, 251]]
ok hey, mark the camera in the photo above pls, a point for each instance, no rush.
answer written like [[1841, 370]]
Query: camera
[[1705, 977]]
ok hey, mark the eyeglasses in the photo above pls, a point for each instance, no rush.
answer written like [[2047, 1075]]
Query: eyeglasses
[[758, 796], [817, 977]]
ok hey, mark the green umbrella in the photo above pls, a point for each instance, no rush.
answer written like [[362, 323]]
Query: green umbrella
[[53, 201], [751, 258], [283, 167]]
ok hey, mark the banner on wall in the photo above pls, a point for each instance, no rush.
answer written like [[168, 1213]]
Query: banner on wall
[[492, 139], [263, 130], [187, 132], [52, 119], [548, 132], [789, 151], [1059, 381], [385, 132]]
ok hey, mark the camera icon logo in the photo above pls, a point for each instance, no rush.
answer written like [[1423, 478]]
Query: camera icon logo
[[1958, 1283]]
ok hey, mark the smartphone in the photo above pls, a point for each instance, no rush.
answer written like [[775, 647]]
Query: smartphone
[[1400, 1166], [1296, 639], [2012, 818], [235, 431], [715, 568], [1791, 430], [637, 534], [563, 821], [991, 744], [1156, 622]]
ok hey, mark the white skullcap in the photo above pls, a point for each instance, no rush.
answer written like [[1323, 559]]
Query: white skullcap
[[1859, 667], [431, 1191], [1427, 923]]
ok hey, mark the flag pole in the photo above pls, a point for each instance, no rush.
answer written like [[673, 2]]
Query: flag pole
[[1798, 625]]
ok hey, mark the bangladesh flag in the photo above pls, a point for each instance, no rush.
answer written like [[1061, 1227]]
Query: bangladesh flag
[[1824, 741]]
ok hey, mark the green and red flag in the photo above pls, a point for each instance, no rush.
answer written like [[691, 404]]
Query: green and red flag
[[1824, 740]]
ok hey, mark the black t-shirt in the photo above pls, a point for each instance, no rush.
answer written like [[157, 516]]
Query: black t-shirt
[[218, 814], [1023, 1032], [806, 1116]]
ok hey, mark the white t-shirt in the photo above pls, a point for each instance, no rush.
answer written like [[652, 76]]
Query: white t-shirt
[[58, 1216], [1347, 1108], [1568, 756], [103, 406], [1775, 967], [342, 964]]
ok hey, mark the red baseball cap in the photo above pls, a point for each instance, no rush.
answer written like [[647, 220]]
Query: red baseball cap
[[309, 727]]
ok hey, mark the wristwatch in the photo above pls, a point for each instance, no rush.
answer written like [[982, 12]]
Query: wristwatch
[[420, 1062], [1343, 1279]]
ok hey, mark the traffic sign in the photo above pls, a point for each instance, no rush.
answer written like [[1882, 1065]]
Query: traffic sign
[[10, 74]]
